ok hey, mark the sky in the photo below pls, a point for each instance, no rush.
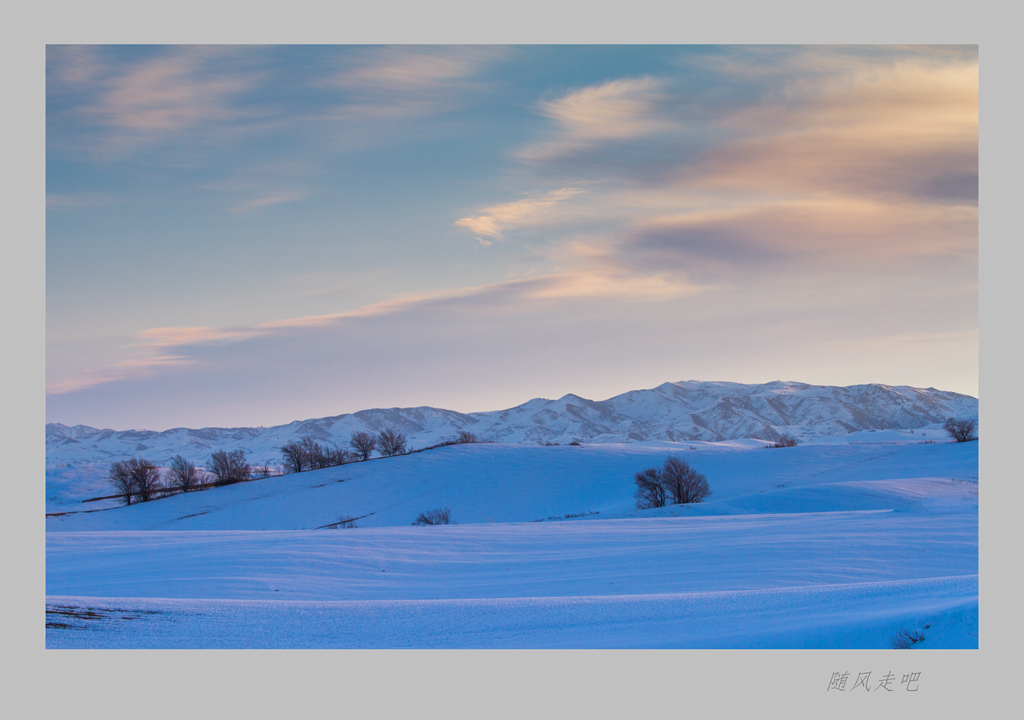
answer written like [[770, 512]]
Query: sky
[[245, 235]]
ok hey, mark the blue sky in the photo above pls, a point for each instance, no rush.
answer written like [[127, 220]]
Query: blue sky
[[251, 235]]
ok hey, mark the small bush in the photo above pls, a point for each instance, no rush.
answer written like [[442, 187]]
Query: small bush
[[437, 516], [466, 437], [905, 639], [783, 442]]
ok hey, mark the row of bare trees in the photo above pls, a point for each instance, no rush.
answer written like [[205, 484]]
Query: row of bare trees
[[388, 442], [135, 478], [308, 454], [139, 480]]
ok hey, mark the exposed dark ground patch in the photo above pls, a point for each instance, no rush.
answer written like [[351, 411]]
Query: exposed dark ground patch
[[74, 617]]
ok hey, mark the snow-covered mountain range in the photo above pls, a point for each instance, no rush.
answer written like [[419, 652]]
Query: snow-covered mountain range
[[674, 411]]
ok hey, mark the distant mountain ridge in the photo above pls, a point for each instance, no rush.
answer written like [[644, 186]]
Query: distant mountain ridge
[[674, 411]]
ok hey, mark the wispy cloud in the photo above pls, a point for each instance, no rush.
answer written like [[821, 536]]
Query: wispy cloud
[[70, 67], [493, 221], [787, 123], [839, 230], [839, 157], [174, 348], [156, 96], [616, 110], [414, 69], [67, 201], [156, 349], [266, 200], [401, 82], [255, 186], [908, 127], [167, 94], [616, 284]]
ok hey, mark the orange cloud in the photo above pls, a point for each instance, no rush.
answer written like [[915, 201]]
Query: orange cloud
[[495, 220], [874, 129]]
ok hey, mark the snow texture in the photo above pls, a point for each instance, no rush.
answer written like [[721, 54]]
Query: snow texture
[[838, 543]]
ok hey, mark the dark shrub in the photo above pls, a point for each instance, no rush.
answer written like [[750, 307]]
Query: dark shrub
[[961, 430], [437, 516]]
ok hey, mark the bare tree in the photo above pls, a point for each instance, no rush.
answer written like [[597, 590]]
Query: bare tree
[[229, 467], [683, 483], [364, 444], [466, 437], [183, 474], [135, 478], [307, 454], [784, 441], [676, 483], [391, 442], [121, 478], [437, 516], [294, 457], [650, 493], [961, 430], [336, 456], [147, 478], [316, 454]]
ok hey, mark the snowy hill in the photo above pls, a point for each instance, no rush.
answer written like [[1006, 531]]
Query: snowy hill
[[675, 411], [841, 544], [498, 483]]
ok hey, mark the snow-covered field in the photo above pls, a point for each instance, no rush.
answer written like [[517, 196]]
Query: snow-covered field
[[832, 544]]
